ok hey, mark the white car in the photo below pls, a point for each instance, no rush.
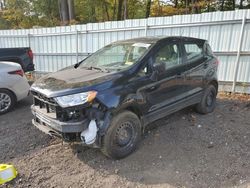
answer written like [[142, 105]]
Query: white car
[[13, 85]]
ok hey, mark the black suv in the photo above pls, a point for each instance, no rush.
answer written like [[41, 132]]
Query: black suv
[[108, 99]]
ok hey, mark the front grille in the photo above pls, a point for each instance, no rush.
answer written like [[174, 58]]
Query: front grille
[[49, 107], [46, 105]]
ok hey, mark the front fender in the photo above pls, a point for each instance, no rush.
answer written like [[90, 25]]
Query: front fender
[[117, 100]]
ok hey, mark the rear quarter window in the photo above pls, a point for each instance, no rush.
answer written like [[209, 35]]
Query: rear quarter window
[[208, 49], [193, 51]]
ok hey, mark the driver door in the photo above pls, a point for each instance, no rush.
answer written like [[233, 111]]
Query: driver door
[[170, 84]]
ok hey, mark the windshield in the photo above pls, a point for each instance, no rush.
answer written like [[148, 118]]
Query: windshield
[[116, 56]]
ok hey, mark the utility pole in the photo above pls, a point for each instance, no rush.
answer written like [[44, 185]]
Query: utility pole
[[71, 9], [125, 10], [2, 4], [66, 10], [119, 11], [148, 8]]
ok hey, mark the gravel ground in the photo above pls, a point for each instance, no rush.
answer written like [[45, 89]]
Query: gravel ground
[[182, 150]]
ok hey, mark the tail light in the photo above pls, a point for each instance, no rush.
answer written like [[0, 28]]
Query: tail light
[[17, 72], [30, 54]]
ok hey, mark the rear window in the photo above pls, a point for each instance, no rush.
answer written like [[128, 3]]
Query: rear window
[[194, 51]]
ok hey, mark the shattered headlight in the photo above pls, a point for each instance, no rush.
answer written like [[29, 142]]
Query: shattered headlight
[[76, 99]]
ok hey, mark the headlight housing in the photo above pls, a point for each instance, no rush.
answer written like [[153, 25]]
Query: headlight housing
[[76, 99]]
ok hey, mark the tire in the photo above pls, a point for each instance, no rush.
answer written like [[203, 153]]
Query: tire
[[7, 101], [122, 136], [208, 101]]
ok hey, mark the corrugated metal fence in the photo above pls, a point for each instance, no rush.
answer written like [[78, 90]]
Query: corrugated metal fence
[[58, 47]]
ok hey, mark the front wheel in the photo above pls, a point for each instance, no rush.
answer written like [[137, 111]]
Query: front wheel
[[122, 136], [7, 101], [208, 101]]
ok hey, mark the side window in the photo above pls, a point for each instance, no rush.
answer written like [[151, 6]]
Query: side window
[[193, 51], [144, 71], [169, 55], [209, 51]]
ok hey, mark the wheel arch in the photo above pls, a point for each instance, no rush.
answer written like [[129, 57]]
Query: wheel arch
[[10, 92], [135, 109], [215, 84]]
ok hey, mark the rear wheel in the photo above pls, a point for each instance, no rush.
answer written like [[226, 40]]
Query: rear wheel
[[122, 136], [7, 101], [208, 101]]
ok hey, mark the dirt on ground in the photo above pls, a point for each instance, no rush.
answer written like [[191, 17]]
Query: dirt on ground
[[185, 149]]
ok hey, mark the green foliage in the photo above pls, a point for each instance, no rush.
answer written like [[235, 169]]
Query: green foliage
[[4, 24], [15, 13], [45, 13]]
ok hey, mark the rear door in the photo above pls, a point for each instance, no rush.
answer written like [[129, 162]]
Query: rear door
[[196, 65]]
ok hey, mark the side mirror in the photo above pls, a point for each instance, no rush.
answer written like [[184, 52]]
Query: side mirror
[[154, 76], [158, 69]]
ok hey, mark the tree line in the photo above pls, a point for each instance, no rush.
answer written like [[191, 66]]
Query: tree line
[[16, 14]]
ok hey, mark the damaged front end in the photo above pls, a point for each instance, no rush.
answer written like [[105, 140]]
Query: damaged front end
[[85, 123]]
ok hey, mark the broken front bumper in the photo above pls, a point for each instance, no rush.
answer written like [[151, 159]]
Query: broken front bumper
[[69, 131]]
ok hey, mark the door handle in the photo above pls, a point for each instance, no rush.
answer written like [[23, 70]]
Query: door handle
[[179, 76], [152, 88]]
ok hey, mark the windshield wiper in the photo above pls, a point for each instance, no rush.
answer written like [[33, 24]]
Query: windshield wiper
[[98, 68], [91, 67]]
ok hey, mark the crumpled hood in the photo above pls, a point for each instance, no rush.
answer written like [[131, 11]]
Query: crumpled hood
[[69, 79]]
